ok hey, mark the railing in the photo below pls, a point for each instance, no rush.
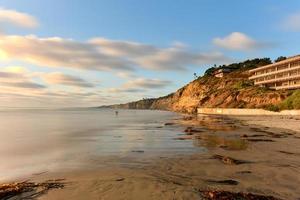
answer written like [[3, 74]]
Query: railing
[[278, 79], [286, 87], [288, 60], [273, 73]]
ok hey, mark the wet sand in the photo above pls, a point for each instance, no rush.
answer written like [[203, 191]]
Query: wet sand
[[288, 122], [240, 156]]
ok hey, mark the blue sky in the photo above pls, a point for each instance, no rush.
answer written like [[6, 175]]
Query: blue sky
[[87, 53]]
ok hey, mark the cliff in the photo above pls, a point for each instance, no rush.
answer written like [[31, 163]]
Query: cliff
[[234, 90]]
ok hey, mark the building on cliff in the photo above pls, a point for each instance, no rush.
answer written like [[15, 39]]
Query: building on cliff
[[280, 75], [221, 72]]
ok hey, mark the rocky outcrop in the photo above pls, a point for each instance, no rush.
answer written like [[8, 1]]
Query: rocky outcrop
[[232, 91]]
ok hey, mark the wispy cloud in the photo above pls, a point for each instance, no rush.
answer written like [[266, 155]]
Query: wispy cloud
[[239, 42], [126, 90], [59, 52], [141, 85], [126, 75], [64, 79], [147, 83], [172, 59], [123, 48], [18, 80], [23, 84], [292, 22], [176, 57], [9, 75], [17, 18], [101, 55], [58, 98], [22, 87]]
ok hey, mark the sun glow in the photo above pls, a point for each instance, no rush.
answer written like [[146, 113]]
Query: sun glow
[[16, 69], [3, 55]]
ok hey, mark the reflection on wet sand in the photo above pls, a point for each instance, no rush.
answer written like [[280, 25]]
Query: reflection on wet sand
[[213, 141], [213, 132], [215, 123]]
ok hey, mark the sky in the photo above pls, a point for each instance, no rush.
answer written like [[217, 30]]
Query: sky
[[76, 53]]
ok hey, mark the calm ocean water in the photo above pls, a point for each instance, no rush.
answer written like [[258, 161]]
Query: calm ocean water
[[32, 141]]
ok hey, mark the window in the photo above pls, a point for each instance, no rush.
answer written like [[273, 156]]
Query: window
[[295, 64], [282, 67]]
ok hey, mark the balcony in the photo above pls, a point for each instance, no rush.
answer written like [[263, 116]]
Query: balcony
[[286, 87], [274, 72], [286, 78]]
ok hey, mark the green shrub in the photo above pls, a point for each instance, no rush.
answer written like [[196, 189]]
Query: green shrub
[[262, 90], [272, 107], [292, 102], [242, 84]]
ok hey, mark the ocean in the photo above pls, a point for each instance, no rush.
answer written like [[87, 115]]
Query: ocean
[[42, 140]]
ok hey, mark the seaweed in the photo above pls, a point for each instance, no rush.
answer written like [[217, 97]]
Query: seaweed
[[229, 161], [29, 190], [227, 195]]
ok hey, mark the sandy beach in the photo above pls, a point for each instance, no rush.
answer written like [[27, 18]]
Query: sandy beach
[[287, 122], [242, 155]]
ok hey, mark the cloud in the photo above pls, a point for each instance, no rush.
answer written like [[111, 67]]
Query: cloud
[[23, 84], [10, 75], [22, 87], [178, 59], [147, 83], [41, 98], [123, 48], [17, 18], [126, 75], [18, 80], [126, 90], [292, 22], [102, 54], [59, 52], [239, 41], [63, 79], [141, 85]]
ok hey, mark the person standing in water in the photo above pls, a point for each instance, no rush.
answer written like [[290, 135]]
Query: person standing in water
[[116, 112]]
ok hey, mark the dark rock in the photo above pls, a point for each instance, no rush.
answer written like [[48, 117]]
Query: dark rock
[[227, 195], [255, 135], [169, 124], [223, 182], [259, 140], [137, 151], [229, 161], [289, 153], [244, 172], [188, 118], [191, 130], [182, 138]]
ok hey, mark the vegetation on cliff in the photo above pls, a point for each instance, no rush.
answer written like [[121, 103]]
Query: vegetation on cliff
[[291, 102], [245, 65], [234, 90]]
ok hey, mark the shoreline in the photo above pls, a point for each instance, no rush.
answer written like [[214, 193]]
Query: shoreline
[[229, 141]]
